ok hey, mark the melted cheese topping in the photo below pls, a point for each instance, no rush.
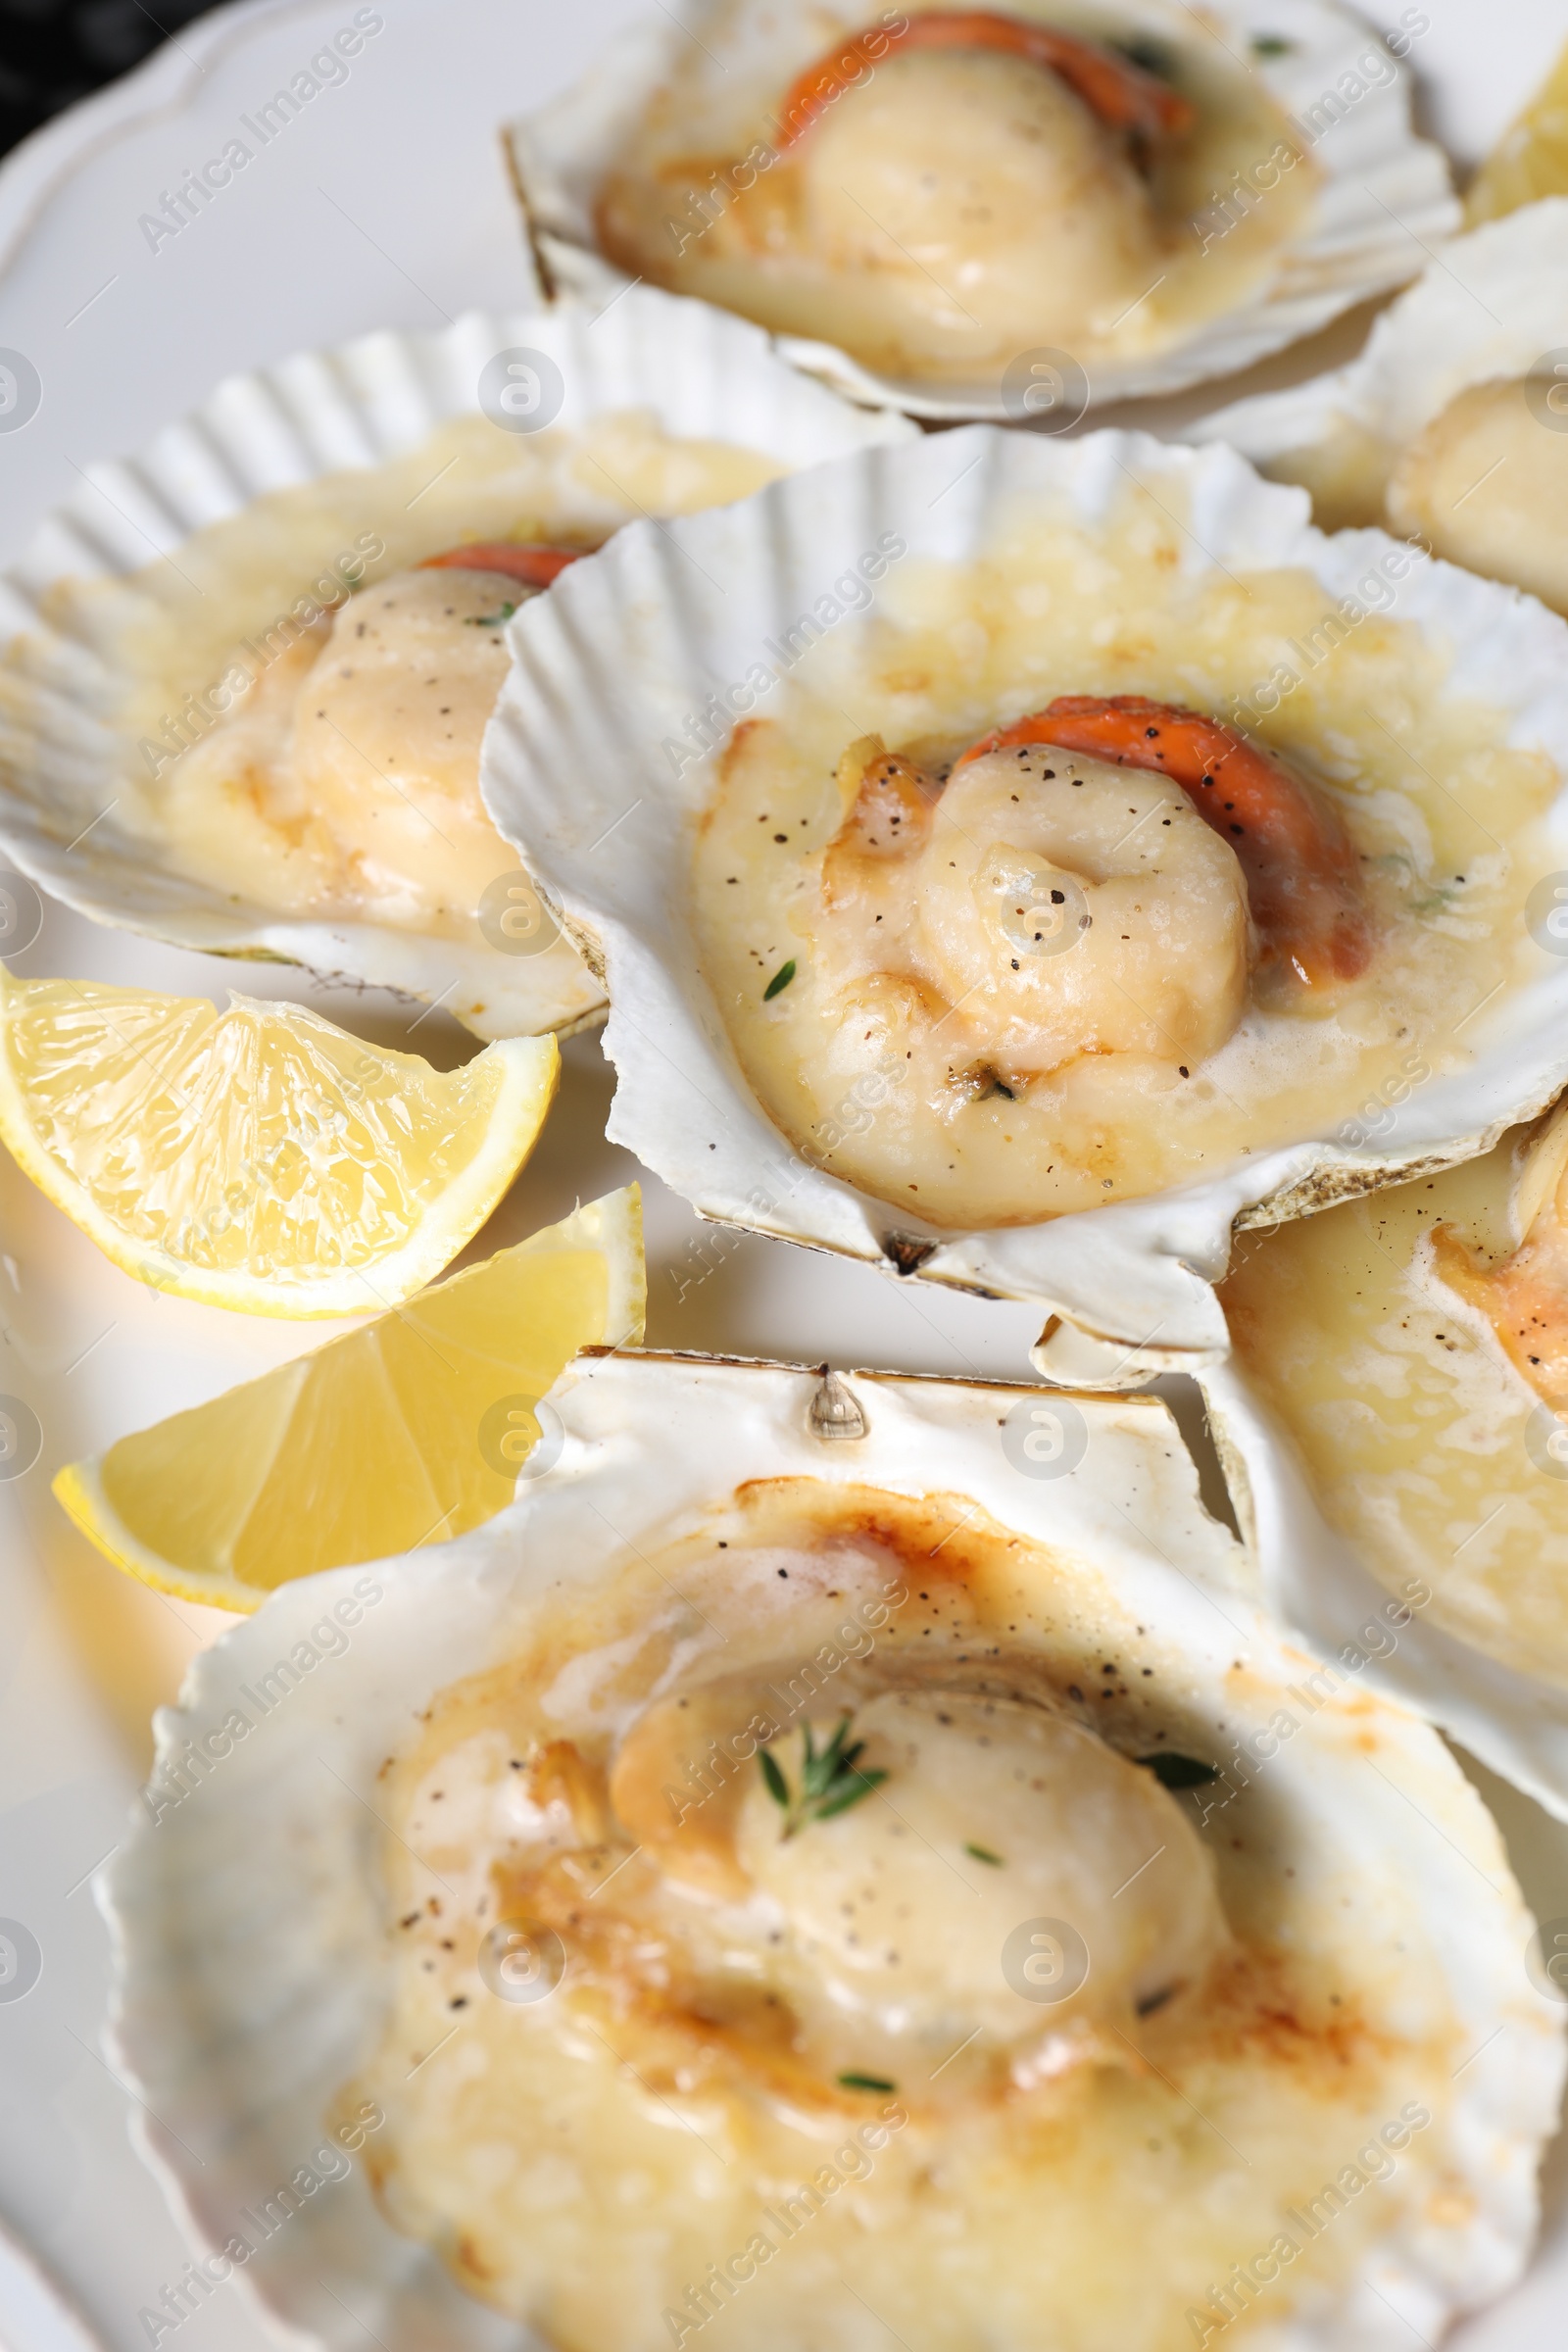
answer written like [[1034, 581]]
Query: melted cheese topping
[[1410, 1346], [1013, 2030], [304, 711], [957, 208], [930, 1048]]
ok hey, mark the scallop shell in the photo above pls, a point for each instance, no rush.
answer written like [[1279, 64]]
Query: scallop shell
[[1495, 305], [1315, 1582], [629, 645], [312, 416], [1386, 195], [247, 1914]]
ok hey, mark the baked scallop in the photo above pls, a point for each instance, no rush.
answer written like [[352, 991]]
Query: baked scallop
[[1452, 425], [1075, 843], [983, 212], [834, 1857], [244, 678]]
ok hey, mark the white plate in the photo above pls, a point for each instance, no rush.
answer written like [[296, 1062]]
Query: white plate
[[382, 205]]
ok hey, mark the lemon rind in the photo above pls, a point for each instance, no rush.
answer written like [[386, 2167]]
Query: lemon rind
[[612, 1225], [79, 1490]]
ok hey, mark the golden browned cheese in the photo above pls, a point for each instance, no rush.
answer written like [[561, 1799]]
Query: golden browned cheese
[[1525, 1300], [854, 2032]]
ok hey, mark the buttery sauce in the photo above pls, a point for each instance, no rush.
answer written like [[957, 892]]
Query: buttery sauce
[[1425, 1447], [751, 2047], [888, 1055], [955, 208]]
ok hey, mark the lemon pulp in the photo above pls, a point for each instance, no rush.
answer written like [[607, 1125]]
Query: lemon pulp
[[259, 1158], [407, 1430]]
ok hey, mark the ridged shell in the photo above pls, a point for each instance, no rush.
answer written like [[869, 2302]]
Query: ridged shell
[[1314, 1582], [702, 373], [628, 646], [251, 1954], [1493, 305], [1386, 194]]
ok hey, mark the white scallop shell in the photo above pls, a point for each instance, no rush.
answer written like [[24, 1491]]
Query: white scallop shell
[[252, 1964], [1493, 305], [1314, 1582], [1385, 198], [630, 643], [700, 371]]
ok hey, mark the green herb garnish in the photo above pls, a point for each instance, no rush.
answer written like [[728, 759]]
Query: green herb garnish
[[1152, 56], [983, 1853], [829, 1781], [1179, 1772], [490, 620], [867, 2082], [1271, 44], [781, 979]]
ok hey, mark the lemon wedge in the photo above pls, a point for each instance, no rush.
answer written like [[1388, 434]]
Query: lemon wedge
[[259, 1159], [1529, 160], [404, 1431]]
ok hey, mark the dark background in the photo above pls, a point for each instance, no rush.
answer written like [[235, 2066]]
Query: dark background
[[53, 51]]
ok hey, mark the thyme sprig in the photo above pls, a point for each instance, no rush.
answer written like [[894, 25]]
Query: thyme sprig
[[830, 1780]]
